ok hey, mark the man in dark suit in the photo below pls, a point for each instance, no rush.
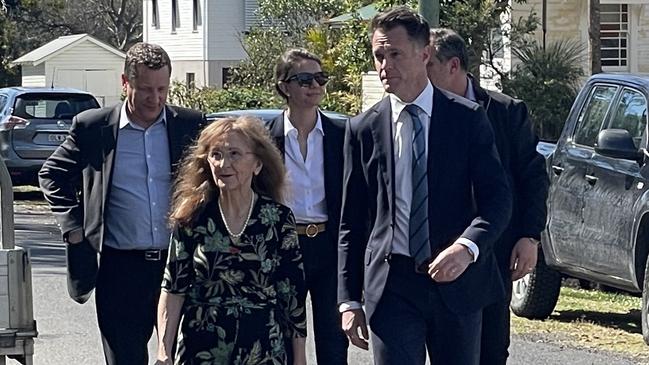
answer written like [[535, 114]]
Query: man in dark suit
[[108, 185], [516, 250], [312, 147], [424, 199]]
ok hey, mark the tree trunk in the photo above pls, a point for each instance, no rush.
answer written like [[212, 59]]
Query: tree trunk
[[594, 36]]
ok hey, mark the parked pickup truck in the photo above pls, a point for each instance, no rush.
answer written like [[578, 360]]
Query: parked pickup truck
[[598, 204]]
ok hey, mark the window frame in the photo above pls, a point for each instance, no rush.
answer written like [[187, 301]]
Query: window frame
[[190, 80], [618, 99], [175, 17], [197, 21], [585, 105], [623, 35], [155, 15]]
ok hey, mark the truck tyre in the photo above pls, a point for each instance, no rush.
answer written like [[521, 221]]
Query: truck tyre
[[535, 295], [644, 317]]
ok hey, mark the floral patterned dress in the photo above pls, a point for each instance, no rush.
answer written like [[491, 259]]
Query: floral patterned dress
[[243, 299]]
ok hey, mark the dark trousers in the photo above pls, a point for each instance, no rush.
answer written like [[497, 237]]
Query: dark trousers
[[411, 318], [128, 288], [496, 328], [320, 257]]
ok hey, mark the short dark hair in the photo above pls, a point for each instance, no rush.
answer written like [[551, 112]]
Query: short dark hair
[[448, 44], [416, 26], [286, 62], [150, 55]]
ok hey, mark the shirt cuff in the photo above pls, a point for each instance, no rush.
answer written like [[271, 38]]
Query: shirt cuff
[[347, 306], [475, 251]]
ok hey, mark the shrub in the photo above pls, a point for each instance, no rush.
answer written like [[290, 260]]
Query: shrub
[[210, 99], [548, 81]]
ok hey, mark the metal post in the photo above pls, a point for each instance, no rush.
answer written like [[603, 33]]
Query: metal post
[[17, 317], [429, 9], [6, 208]]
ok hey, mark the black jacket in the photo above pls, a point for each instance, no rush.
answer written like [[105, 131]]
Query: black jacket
[[334, 136], [76, 181], [525, 168]]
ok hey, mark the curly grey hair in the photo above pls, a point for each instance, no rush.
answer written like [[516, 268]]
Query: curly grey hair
[[150, 55]]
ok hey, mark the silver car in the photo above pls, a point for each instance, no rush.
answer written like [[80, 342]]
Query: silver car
[[33, 122]]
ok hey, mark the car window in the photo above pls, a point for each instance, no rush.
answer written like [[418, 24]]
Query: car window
[[630, 114], [3, 102], [593, 114], [50, 106]]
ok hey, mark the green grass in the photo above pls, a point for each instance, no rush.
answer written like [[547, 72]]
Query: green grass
[[591, 319]]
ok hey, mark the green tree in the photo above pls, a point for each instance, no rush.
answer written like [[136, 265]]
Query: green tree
[[346, 50], [28, 24], [480, 23], [23, 27]]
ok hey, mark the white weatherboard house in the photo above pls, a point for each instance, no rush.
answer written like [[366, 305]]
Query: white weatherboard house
[[78, 61], [203, 37], [624, 30]]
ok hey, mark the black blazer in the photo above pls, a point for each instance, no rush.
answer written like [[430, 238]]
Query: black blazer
[[525, 168], [76, 180], [468, 196], [334, 136]]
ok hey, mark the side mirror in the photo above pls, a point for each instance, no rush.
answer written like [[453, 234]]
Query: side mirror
[[618, 143]]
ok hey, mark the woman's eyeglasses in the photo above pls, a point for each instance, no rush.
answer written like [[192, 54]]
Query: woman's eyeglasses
[[233, 155], [305, 79]]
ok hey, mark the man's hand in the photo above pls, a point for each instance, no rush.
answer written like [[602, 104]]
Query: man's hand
[[524, 256], [450, 263], [352, 320]]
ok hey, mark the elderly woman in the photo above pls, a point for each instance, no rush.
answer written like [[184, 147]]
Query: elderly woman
[[312, 147], [235, 266]]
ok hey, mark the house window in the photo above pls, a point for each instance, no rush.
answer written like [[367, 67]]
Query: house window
[[196, 14], [226, 76], [155, 21], [614, 34], [190, 80], [175, 17]]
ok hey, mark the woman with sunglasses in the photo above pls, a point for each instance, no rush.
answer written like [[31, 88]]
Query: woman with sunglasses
[[311, 145]]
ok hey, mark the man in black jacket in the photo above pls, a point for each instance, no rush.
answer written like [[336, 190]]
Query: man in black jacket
[[517, 249], [109, 187]]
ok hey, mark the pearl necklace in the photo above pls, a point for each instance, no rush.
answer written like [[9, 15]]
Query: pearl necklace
[[245, 224]]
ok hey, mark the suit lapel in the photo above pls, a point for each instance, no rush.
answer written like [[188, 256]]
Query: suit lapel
[[109, 143], [481, 95], [435, 137], [276, 129], [174, 134], [382, 132], [332, 155]]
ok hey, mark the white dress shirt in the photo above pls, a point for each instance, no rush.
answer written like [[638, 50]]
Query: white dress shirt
[[402, 134], [306, 196]]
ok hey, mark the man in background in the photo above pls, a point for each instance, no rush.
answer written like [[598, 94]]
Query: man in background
[[516, 250]]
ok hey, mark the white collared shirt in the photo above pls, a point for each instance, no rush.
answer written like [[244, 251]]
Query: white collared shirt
[[402, 134], [469, 93], [306, 196]]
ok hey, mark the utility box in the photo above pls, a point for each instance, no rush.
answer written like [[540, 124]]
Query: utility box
[[16, 310]]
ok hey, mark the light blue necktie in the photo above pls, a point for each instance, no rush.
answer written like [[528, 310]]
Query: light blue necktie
[[419, 237]]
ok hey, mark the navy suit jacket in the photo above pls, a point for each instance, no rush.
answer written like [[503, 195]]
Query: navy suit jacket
[[468, 196], [334, 136]]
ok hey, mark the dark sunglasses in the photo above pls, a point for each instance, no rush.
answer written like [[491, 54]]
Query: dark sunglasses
[[305, 79]]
